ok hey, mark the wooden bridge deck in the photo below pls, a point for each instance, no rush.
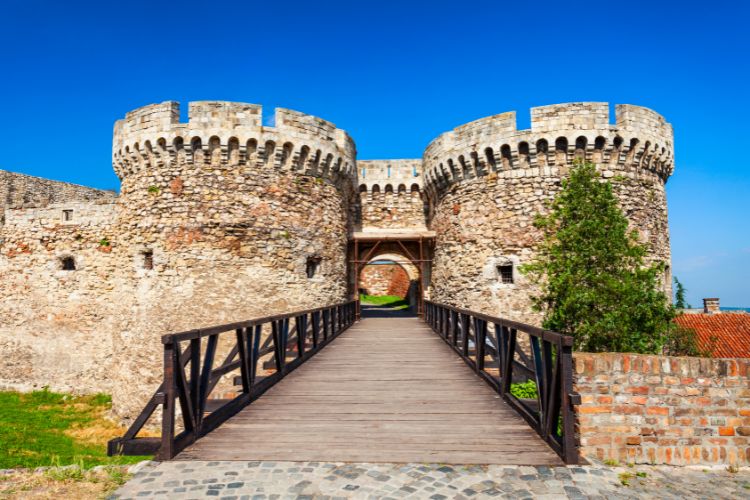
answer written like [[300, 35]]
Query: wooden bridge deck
[[386, 390]]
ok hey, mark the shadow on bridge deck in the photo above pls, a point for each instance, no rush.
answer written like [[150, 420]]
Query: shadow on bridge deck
[[387, 390]]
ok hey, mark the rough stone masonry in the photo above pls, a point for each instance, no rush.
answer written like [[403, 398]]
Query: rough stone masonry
[[223, 218]]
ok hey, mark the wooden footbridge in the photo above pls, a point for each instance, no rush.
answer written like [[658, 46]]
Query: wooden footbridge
[[319, 385]]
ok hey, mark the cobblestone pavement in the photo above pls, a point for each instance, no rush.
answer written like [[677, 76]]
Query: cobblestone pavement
[[317, 480]]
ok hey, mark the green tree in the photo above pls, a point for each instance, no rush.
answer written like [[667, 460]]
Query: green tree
[[679, 295], [590, 270]]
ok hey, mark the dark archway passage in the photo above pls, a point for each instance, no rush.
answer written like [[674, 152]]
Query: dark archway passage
[[413, 251]]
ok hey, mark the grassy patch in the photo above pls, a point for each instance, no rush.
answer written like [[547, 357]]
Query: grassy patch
[[44, 428], [392, 301]]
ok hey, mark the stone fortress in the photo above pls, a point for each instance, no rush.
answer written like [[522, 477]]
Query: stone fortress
[[223, 218]]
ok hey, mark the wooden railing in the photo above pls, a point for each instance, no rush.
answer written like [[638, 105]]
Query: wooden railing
[[504, 352], [262, 350]]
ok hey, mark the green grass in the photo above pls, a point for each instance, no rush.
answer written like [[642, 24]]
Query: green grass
[[44, 428], [392, 301]]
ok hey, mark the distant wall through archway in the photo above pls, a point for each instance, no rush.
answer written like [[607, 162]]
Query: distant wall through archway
[[384, 277], [390, 274]]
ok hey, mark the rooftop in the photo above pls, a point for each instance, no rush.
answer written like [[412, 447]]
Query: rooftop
[[725, 334]]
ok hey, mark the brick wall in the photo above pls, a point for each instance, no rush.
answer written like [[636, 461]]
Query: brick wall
[[384, 279], [664, 410]]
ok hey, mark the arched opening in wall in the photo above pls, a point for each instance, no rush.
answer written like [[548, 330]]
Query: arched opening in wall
[[375, 191], [475, 163], [401, 189], [149, 150], [161, 151], [542, 148], [452, 168], [414, 191], [269, 152], [561, 151], [599, 144], [388, 190], [196, 149], [214, 149], [523, 154], [631, 157], [646, 155], [286, 154], [465, 170], [490, 155], [389, 282], [302, 160], [315, 163], [327, 164], [251, 151], [506, 156], [614, 157], [580, 152], [233, 151], [179, 149]]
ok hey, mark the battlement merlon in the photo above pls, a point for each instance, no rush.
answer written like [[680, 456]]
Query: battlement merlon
[[155, 131]]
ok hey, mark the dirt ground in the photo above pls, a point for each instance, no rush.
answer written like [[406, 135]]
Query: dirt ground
[[62, 482]]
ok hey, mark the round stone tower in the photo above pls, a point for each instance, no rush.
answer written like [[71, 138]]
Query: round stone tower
[[222, 218], [486, 181]]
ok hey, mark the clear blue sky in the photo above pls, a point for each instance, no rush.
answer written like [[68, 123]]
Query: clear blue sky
[[395, 75]]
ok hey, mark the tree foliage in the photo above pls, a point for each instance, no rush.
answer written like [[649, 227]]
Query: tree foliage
[[679, 295], [591, 272]]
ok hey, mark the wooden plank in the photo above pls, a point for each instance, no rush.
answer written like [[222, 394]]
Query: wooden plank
[[386, 390]]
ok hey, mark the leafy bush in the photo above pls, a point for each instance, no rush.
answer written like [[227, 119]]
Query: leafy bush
[[525, 390]]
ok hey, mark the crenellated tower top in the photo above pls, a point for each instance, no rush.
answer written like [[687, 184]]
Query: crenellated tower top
[[639, 140], [231, 133]]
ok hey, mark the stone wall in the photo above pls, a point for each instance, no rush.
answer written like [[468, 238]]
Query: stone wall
[[19, 190], [486, 181], [390, 195], [219, 219], [663, 410], [384, 279]]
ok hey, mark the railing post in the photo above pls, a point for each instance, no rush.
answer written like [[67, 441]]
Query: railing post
[[509, 346], [166, 451], [465, 319], [570, 451], [480, 332]]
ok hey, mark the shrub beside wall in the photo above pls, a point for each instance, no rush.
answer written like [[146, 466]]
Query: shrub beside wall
[[663, 410]]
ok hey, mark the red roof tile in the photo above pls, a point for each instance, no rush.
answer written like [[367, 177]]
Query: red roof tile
[[727, 333]]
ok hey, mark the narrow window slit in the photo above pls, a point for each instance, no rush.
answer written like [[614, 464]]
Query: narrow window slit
[[505, 272]]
